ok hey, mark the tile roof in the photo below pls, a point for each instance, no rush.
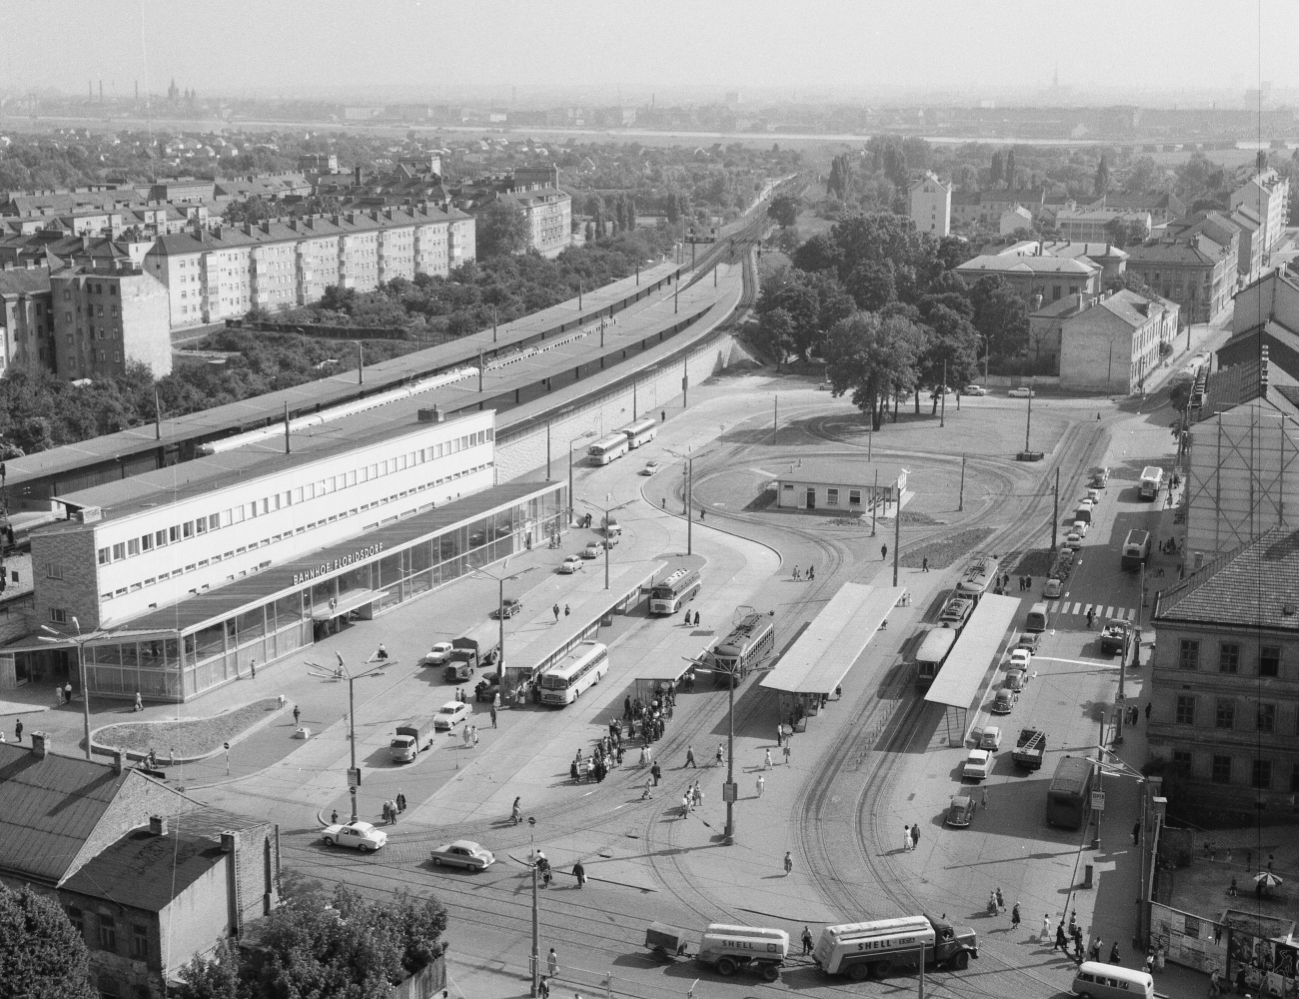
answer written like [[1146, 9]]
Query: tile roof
[[1006, 264], [27, 281], [1249, 587], [1240, 383], [1202, 251]]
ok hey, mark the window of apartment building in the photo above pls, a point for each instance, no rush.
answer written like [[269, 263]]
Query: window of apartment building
[[107, 986], [1189, 656], [1267, 718], [146, 543], [160, 538], [139, 941], [854, 497], [1229, 657], [1226, 715], [832, 497], [59, 615], [1269, 660], [78, 918], [107, 932], [119, 550], [1221, 773], [105, 556], [53, 570], [1182, 758], [1185, 709], [1261, 777]]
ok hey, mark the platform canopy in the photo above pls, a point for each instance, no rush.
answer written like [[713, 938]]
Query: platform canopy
[[962, 675], [823, 654]]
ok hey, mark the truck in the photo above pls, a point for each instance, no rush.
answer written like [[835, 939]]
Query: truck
[[744, 948], [476, 647], [1152, 480], [859, 950], [1030, 749], [1114, 639], [410, 738]]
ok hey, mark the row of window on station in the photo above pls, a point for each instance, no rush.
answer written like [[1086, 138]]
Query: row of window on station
[[1223, 770]]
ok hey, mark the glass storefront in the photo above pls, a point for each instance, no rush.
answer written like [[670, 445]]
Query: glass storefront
[[181, 667]]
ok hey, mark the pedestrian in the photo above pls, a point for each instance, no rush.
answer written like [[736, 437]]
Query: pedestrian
[[685, 804], [552, 963], [297, 713], [657, 771], [1046, 928], [697, 795], [252, 665], [884, 553], [1232, 890], [473, 730], [696, 619], [556, 610], [1001, 902], [690, 758], [466, 737], [1073, 922], [387, 814], [1136, 833], [1094, 952], [811, 573], [807, 941], [721, 755], [1060, 940], [906, 838], [924, 564], [915, 835], [687, 617], [1014, 917], [789, 863], [762, 783], [382, 654], [333, 817], [401, 801], [786, 751], [392, 805], [492, 711], [579, 872], [766, 764], [796, 572], [516, 811], [984, 801], [139, 704], [18, 730], [1150, 961], [566, 610], [543, 988], [780, 734], [1114, 954], [67, 692]]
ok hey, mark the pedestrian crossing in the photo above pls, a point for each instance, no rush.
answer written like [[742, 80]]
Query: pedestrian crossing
[[1103, 612]]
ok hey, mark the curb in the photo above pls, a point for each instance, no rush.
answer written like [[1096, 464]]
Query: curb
[[173, 761]]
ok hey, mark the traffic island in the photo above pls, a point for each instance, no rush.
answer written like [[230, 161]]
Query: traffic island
[[185, 740]]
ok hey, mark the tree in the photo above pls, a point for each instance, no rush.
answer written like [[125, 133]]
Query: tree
[[783, 210], [42, 956], [215, 977], [1142, 175], [502, 228], [1123, 232], [871, 285], [952, 351], [894, 163], [774, 334], [1102, 183], [1010, 169], [818, 254], [998, 169], [1000, 315], [872, 357], [841, 181], [251, 210]]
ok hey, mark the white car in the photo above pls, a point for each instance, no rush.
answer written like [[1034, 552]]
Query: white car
[[358, 835], [1081, 527], [1020, 658], [436, 656], [1015, 680], [977, 765], [463, 853], [1073, 540], [1020, 393], [571, 564], [592, 550], [974, 390], [650, 468], [990, 738], [450, 715], [1094, 495]]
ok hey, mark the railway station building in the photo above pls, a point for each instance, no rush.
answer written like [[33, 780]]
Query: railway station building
[[840, 485], [181, 580]]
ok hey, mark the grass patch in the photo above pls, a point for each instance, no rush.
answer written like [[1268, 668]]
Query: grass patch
[[1036, 562], [188, 739], [943, 553]]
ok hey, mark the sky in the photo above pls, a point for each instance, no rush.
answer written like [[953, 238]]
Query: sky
[[806, 49]]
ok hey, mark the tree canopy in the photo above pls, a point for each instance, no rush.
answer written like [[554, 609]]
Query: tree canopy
[[42, 956], [783, 210], [501, 228]]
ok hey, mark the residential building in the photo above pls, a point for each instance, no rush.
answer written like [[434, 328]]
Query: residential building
[[1115, 343], [107, 315], [1109, 258], [1225, 678], [1036, 278], [931, 206], [965, 209], [26, 319], [835, 486], [1095, 224], [1249, 262], [1267, 195], [1045, 325], [1162, 206], [1196, 272], [972, 209], [549, 212], [1265, 320], [1015, 219]]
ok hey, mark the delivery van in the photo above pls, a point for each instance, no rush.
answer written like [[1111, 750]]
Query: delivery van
[[410, 738], [744, 948], [1112, 981], [1083, 513], [1036, 617]]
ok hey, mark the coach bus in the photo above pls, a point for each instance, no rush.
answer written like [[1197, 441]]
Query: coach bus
[[933, 653], [667, 596], [605, 451], [564, 682], [749, 642], [640, 432], [1068, 801]]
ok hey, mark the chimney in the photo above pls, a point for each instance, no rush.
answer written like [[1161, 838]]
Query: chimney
[[358, 175], [157, 825], [40, 745], [229, 840], [117, 761]]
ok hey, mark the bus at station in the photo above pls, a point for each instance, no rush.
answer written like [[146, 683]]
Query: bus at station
[[750, 642], [933, 653], [609, 449], [564, 682], [667, 596], [640, 432], [1068, 800]]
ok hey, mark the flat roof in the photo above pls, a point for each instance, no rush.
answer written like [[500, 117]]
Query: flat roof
[[958, 682], [822, 656], [841, 470], [255, 589]]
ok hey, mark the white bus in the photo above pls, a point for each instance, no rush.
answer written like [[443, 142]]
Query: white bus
[[666, 597], [605, 451], [581, 668], [641, 432]]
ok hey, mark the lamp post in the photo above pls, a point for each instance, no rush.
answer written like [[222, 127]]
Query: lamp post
[[79, 642], [500, 611], [607, 510], [729, 793], [690, 484], [342, 672], [987, 349], [579, 437]]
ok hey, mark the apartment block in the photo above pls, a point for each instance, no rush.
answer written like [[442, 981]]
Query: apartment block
[[107, 319], [931, 206], [26, 319], [1267, 195]]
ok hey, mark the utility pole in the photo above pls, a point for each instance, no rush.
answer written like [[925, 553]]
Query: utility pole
[[961, 505], [536, 926], [690, 518], [775, 412], [875, 501], [157, 416], [897, 534], [360, 363], [685, 383], [1055, 510], [288, 449], [942, 419], [493, 324]]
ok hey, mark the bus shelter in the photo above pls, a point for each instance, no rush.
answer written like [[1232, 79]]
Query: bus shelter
[[960, 682], [815, 665]]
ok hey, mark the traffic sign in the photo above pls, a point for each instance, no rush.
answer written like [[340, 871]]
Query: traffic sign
[[1098, 801], [730, 793], [353, 776]]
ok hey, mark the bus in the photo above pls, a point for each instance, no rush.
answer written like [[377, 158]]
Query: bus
[[605, 451], [666, 597], [1152, 480], [564, 682], [640, 432], [749, 642], [933, 653], [1069, 801], [979, 575]]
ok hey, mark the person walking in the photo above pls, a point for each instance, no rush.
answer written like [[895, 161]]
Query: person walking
[[687, 617], [685, 804], [579, 872], [67, 692], [915, 835], [492, 712], [566, 610], [924, 564], [811, 574], [18, 730], [884, 553], [786, 752], [387, 814], [721, 755], [139, 704], [906, 838], [555, 609], [657, 771], [1060, 940], [401, 801], [297, 714], [333, 817], [984, 802], [789, 863], [1001, 902], [473, 730], [1094, 952], [796, 572], [1115, 957], [766, 764], [762, 783], [1014, 917], [697, 795], [690, 758], [516, 811], [696, 619], [1045, 935], [807, 941], [552, 963]]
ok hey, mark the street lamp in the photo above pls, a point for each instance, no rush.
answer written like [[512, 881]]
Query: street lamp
[[500, 611], [579, 437], [729, 792], [690, 485], [342, 672], [79, 642], [607, 510]]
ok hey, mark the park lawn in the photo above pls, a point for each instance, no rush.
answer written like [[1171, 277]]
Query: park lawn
[[187, 739]]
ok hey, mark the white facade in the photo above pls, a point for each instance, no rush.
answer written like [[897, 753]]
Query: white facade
[[161, 554], [931, 206], [1267, 196]]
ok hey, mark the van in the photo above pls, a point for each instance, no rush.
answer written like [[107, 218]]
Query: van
[[1112, 981], [1083, 513], [1036, 617], [1136, 549], [410, 738]]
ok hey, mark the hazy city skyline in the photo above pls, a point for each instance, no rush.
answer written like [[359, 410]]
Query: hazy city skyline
[[824, 49]]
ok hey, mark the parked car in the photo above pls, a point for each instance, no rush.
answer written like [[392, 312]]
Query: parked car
[[1081, 527], [571, 564], [1093, 495], [1054, 587], [974, 390], [1100, 478], [358, 835], [508, 609], [1023, 392], [450, 715], [463, 853], [650, 468], [437, 655], [1003, 702], [593, 550], [990, 738], [1020, 658], [1015, 680], [961, 811], [977, 765], [1029, 640], [1073, 540]]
